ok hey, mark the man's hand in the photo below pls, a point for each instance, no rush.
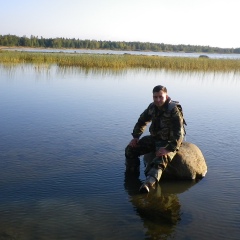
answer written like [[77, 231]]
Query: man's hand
[[162, 151], [134, 142]]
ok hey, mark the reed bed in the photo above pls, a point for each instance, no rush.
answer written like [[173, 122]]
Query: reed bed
[[121, 61]]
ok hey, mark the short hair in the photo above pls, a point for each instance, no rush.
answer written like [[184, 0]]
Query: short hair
[[159, 88]]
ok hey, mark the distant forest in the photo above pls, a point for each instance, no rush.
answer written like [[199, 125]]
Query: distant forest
[[35, 42]]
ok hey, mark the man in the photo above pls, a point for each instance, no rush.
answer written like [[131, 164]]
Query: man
[[166, 135]]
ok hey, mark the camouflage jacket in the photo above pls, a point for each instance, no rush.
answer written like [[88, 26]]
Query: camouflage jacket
[[166, 126]]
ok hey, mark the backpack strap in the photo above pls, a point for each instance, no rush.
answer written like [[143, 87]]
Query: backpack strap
[[172, 105]]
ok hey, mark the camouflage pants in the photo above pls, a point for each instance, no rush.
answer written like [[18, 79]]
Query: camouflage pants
[[148, 144]]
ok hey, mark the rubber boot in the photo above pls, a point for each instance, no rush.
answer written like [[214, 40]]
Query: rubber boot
[[153, 177], [149, 183], [155, 172], [132, 165]]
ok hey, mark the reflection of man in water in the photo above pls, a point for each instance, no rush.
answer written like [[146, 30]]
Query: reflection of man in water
[[159, 210], [166, 135]]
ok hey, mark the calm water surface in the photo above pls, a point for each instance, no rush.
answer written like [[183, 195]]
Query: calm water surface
[[62, 173], [89, 51]]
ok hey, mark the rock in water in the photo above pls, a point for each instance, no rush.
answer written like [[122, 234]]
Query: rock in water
[[188, 163]]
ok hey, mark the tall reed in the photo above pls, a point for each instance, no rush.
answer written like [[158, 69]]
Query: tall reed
[[121, 61]]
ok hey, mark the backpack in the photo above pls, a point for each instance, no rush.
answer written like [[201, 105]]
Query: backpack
[[171, 105]]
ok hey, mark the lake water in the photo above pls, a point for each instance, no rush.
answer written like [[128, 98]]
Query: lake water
[[90, 51], [62, 172]]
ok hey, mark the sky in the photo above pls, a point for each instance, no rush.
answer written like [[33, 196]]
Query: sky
[[195, 22]]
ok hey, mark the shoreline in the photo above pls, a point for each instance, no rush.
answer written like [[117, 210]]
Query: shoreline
[[60, 50]]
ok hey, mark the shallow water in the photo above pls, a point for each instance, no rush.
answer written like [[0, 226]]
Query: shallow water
[[90, 51], [63, 134]]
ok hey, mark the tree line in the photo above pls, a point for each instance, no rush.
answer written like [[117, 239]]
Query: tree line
[[35, 41]]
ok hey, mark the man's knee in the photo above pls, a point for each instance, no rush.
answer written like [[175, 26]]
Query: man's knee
[[130, 152]]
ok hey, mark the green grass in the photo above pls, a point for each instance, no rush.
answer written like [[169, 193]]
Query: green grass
[[121, 61]]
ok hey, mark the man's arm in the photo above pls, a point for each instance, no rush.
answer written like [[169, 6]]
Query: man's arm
[[141, 124]]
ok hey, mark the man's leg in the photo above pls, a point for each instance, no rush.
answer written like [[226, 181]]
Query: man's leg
[[154, 171], [145, 145]]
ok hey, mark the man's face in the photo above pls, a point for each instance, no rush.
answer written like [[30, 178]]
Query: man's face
[[159, 98]]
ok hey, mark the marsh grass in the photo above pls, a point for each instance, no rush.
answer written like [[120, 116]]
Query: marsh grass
[[121, 61]]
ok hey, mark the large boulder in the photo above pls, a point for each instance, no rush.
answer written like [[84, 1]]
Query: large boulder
[[188, 163]]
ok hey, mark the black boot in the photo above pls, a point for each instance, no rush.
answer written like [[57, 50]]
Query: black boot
[[132, 165], [153, 177], [148, 184]]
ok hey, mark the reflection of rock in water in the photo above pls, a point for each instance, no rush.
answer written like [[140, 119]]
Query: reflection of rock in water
[[160, 209]]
